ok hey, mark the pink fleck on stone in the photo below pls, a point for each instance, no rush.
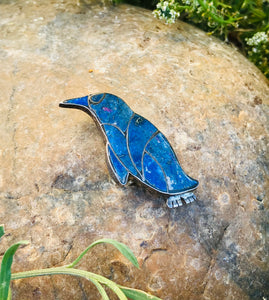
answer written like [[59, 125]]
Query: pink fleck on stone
[[107, 109]]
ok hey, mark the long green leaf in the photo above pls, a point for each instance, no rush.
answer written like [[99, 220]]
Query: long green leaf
[[124, 250], [100, 289], [9, 294], [75, 272], [2, 231], [5, 272], [137, 294]]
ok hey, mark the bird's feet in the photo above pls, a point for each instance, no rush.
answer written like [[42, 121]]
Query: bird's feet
[[176, 201]]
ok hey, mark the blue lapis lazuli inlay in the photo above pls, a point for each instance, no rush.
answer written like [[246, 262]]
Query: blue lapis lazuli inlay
[[177, 181], [140, 131], [113, 111], [135, 146], [153, 173], [83, 101], [118, 168], [117, 141]]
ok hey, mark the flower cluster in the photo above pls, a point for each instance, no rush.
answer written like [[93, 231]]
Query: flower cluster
[[166, 10], [258, 51], [257, 39]]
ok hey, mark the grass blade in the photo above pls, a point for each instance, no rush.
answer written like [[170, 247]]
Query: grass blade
[[5, 272], [2, 231], [100, 289], [137, 294], [75, 272], [9, 294], [124, 250]]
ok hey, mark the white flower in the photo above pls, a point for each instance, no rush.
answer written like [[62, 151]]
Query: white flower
[[165, 11], [258, 38]]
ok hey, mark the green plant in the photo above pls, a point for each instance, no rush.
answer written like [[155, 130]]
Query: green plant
[[123, 293], [235, 21], [258, 51]]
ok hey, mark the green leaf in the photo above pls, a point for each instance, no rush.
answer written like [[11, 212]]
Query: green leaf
[[75, 272], [137, 294], [9, 294], [5, 272], [2, 231], [100, 289], [124, 250]]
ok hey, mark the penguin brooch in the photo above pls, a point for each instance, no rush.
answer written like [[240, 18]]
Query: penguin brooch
[[136, 147]]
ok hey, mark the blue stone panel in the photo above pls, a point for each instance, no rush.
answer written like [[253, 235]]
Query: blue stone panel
[[140, 131], [154, 175], [118, 168], [113, 110], [117, 142], [177, 180], [96, 98], [83, 101]]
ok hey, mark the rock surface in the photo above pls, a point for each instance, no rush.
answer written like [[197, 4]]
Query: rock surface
[[56, 191]]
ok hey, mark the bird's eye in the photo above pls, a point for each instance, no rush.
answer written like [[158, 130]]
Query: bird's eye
[[95, 99], [139, 121]]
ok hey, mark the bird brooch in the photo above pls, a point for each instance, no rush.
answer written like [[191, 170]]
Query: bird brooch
[[136, 147]]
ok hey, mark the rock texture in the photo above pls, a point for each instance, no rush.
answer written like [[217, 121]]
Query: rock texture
[[56, 191]]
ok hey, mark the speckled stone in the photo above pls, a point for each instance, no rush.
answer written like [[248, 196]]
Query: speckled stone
[[56, 190]]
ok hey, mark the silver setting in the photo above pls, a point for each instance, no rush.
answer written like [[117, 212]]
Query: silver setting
[[175, 201], [188, 197]]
